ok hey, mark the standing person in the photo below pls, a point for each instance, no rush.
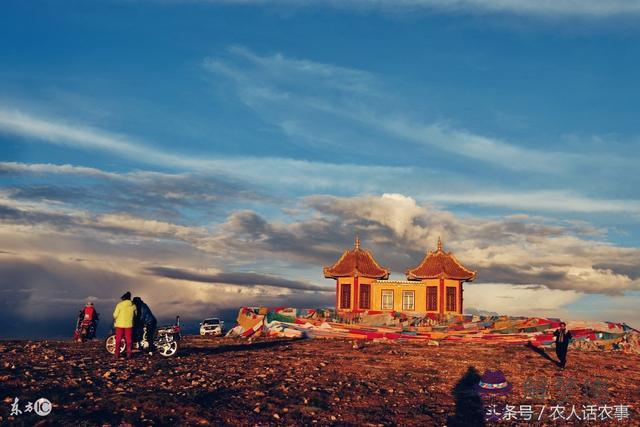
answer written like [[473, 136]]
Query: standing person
[[91, 315], [87, 323], [123, 316], [563, 337], [146, 319]]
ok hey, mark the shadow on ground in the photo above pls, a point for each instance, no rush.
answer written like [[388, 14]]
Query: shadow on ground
[[541, 352], [469, 409]]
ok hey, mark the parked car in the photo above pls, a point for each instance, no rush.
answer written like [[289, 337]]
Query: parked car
[[212, 326]]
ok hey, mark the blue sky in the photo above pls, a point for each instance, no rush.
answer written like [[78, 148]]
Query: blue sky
[[217, 139]]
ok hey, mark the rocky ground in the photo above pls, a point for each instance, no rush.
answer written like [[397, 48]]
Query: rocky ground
[[223, 381]]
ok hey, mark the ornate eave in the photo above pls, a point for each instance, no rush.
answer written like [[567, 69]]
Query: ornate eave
[[356, 262], [440, 265]]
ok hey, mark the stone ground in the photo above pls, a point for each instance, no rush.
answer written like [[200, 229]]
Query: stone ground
[[220, 381]]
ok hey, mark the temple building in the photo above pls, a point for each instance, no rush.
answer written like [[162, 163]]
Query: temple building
[[433, 286]]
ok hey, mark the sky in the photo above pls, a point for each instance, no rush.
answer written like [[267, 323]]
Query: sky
[[207, 155]]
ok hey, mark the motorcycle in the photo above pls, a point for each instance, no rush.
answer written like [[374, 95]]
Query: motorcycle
[[85, 329], [166, 340]]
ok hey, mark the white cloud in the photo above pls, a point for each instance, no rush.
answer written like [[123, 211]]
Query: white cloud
[[593, 8], [283, 68], [16, 122], [517, 250], [478, 147], [148, 227], [540, 301], [550, 201], [557, 263], [561, 8], [311, 175], [49, 168], [323, 105], [518, 300]]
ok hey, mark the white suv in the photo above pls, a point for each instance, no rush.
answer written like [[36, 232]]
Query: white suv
[[212, 326]]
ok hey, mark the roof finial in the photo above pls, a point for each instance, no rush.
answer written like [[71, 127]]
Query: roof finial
[[439, 244], [357, 245]]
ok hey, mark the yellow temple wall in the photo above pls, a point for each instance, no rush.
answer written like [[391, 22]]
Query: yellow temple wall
[[342, 281], [397, 288], [419, 288], [457, 285], [420, 292], [350, 281]]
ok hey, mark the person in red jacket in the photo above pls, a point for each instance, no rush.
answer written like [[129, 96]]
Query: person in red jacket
[[87, 323], [89, 311]]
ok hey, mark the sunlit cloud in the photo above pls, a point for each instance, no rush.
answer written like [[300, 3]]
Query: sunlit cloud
[[553, 201], [245, 258], [542, 8], [519, 300]]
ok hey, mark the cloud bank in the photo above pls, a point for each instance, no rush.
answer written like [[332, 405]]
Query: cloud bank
[[54, 256], [541, 8]]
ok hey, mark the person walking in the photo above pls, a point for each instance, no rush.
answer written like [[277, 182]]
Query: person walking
[[123, 316], [563, 337]]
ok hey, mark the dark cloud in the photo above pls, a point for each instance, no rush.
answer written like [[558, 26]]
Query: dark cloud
[[159, 195], [242, 279], [318, 241], [516, 250], [523, 275], [13, 215], [116, 248], [630, 270], [312, 241], [41, 297], [89, 224]]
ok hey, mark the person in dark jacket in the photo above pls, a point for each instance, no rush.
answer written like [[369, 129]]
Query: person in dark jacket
[[145, 318], [563, 337]]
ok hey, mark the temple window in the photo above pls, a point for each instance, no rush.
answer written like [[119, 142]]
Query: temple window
[[387, 299], [365, 296], [345, 296], [432, 298], [408, 300], [451, 299]]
